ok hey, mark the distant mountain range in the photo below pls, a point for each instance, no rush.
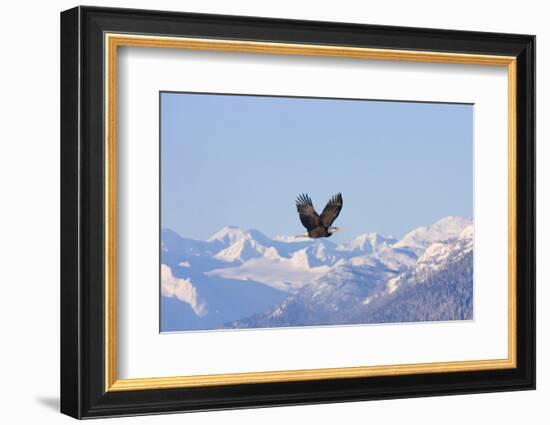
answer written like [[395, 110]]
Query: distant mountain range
[[243, 279]]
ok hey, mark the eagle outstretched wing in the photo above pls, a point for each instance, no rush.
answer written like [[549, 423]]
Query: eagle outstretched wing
[[308, 216], [331, 210]]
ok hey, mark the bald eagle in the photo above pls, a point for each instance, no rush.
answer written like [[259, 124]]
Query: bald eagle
[[319, 226]]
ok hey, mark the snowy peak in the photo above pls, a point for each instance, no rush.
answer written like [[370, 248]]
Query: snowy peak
[[443, 230], [379, 242], [440, 252], [229, 235], [452, 225], [438, 256], [367, 243], [241, 250], [467, 233], [360, 243], [239, 244], [320, 253]]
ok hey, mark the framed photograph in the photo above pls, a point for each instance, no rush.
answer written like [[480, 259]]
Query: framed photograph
[[261, 212]]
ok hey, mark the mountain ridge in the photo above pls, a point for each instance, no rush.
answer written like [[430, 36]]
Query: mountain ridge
[[308, 282]]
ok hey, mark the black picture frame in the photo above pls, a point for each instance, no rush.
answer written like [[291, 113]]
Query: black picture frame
[[83, 392]]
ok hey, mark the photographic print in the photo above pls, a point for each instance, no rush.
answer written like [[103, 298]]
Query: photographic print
[[284, 211], [256, 183]]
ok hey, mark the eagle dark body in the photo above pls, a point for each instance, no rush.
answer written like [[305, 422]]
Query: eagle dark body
[[319, 226]]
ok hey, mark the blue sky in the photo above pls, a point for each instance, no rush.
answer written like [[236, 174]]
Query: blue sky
[[242, 160]]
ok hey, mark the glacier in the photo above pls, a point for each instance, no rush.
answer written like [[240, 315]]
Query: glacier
[[241, 278]]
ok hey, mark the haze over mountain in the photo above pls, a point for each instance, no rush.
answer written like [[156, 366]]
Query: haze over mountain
[[241, 278]]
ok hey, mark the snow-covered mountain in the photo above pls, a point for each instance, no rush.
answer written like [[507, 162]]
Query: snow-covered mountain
[[445, 229], [286, 274], [242, 278], [182, 289], [241, 251], [366, 243]]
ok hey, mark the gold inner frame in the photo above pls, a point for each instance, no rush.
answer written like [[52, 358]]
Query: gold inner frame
[[113, 41]]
